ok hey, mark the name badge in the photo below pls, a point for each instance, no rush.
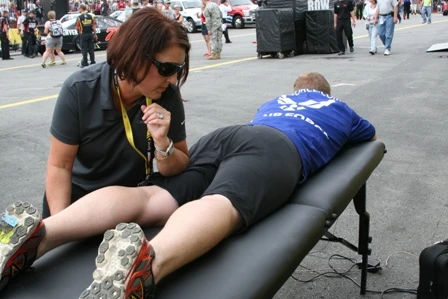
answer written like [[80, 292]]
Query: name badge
[[381, 20]]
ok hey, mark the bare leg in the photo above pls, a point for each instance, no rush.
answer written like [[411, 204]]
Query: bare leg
[[104, 209], [46, 54], [207, 43], [191, 231], [60, 54]]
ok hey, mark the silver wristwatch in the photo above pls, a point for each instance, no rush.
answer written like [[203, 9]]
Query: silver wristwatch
[[169, 151]]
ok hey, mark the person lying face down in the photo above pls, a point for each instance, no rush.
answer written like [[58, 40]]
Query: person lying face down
[[237, 176]]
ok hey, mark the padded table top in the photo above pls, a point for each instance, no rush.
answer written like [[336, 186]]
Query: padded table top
[[228, 271], [250, 265]]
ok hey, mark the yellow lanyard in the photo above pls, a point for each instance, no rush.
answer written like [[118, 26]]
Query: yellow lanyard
[[130, 135]]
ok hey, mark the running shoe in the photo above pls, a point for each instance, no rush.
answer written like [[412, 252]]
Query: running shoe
[[21, 231], [53, 63], [123, 266]]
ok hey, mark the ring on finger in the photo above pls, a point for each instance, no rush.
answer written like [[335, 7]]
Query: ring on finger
[[160, 115]]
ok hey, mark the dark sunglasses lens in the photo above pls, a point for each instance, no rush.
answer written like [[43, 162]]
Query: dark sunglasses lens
[[167, 69]]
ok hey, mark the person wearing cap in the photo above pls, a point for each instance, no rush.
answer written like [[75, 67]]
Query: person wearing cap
[[135, 6], [29, 26], [168, 11], [4, 35], [178, 16]]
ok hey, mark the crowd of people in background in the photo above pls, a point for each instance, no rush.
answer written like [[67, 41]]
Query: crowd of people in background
[[406, 8], [213, 17], [380, 18], [379, 15]]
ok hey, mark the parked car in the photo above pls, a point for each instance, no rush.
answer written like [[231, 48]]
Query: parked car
[[243, 12], [105, 28], [189, 10], [70, 16], [120, 15]]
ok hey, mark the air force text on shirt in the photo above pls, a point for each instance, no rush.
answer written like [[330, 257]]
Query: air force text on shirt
[[287, 104]]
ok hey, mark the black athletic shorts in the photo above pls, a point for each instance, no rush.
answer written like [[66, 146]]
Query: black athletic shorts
[[256, 167], [204, 29]]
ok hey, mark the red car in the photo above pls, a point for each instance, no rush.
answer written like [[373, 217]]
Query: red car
[[243, 12]]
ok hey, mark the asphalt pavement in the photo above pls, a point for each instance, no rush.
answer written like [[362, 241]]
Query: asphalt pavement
[[403, 95]]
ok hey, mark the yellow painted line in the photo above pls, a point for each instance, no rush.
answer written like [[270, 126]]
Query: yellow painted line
[[420, 25], [221, 64], [360, 36], [404, 28], [191, 70], [38, 64], [233, 36], [100, 55], [28, 101]]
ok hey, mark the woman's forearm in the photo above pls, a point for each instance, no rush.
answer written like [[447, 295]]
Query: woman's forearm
[[58, 188]]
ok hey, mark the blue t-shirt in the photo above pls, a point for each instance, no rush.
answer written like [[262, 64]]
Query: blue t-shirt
[[318, 124]]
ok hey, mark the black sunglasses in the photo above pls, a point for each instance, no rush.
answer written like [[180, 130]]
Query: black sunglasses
[[167, 69]]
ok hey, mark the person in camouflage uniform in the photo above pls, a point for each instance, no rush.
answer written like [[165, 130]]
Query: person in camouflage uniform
[[213, 17]]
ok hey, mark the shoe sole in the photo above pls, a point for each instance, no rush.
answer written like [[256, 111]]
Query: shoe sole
[[27, 219], [117, 254]]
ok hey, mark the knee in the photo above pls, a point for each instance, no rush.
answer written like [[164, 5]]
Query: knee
[[159, 206], [220, 205]]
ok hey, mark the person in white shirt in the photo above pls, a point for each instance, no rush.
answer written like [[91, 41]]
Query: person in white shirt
[[168, 11], [114, 6], [370, 11], [225, 9], [31, 6], [19, 30]]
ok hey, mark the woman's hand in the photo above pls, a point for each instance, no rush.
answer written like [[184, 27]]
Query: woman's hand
[[158, 120]]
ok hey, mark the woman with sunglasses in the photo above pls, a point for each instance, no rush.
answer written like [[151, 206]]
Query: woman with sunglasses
[[115, 120]]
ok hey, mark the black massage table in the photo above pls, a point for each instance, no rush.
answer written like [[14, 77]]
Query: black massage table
[[252, 265]]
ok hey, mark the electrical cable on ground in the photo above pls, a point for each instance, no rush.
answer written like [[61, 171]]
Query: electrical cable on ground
[[335, 273]]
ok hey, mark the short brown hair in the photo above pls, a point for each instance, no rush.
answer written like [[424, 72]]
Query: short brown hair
[[51, 14], [313, 80], [146, 33]]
